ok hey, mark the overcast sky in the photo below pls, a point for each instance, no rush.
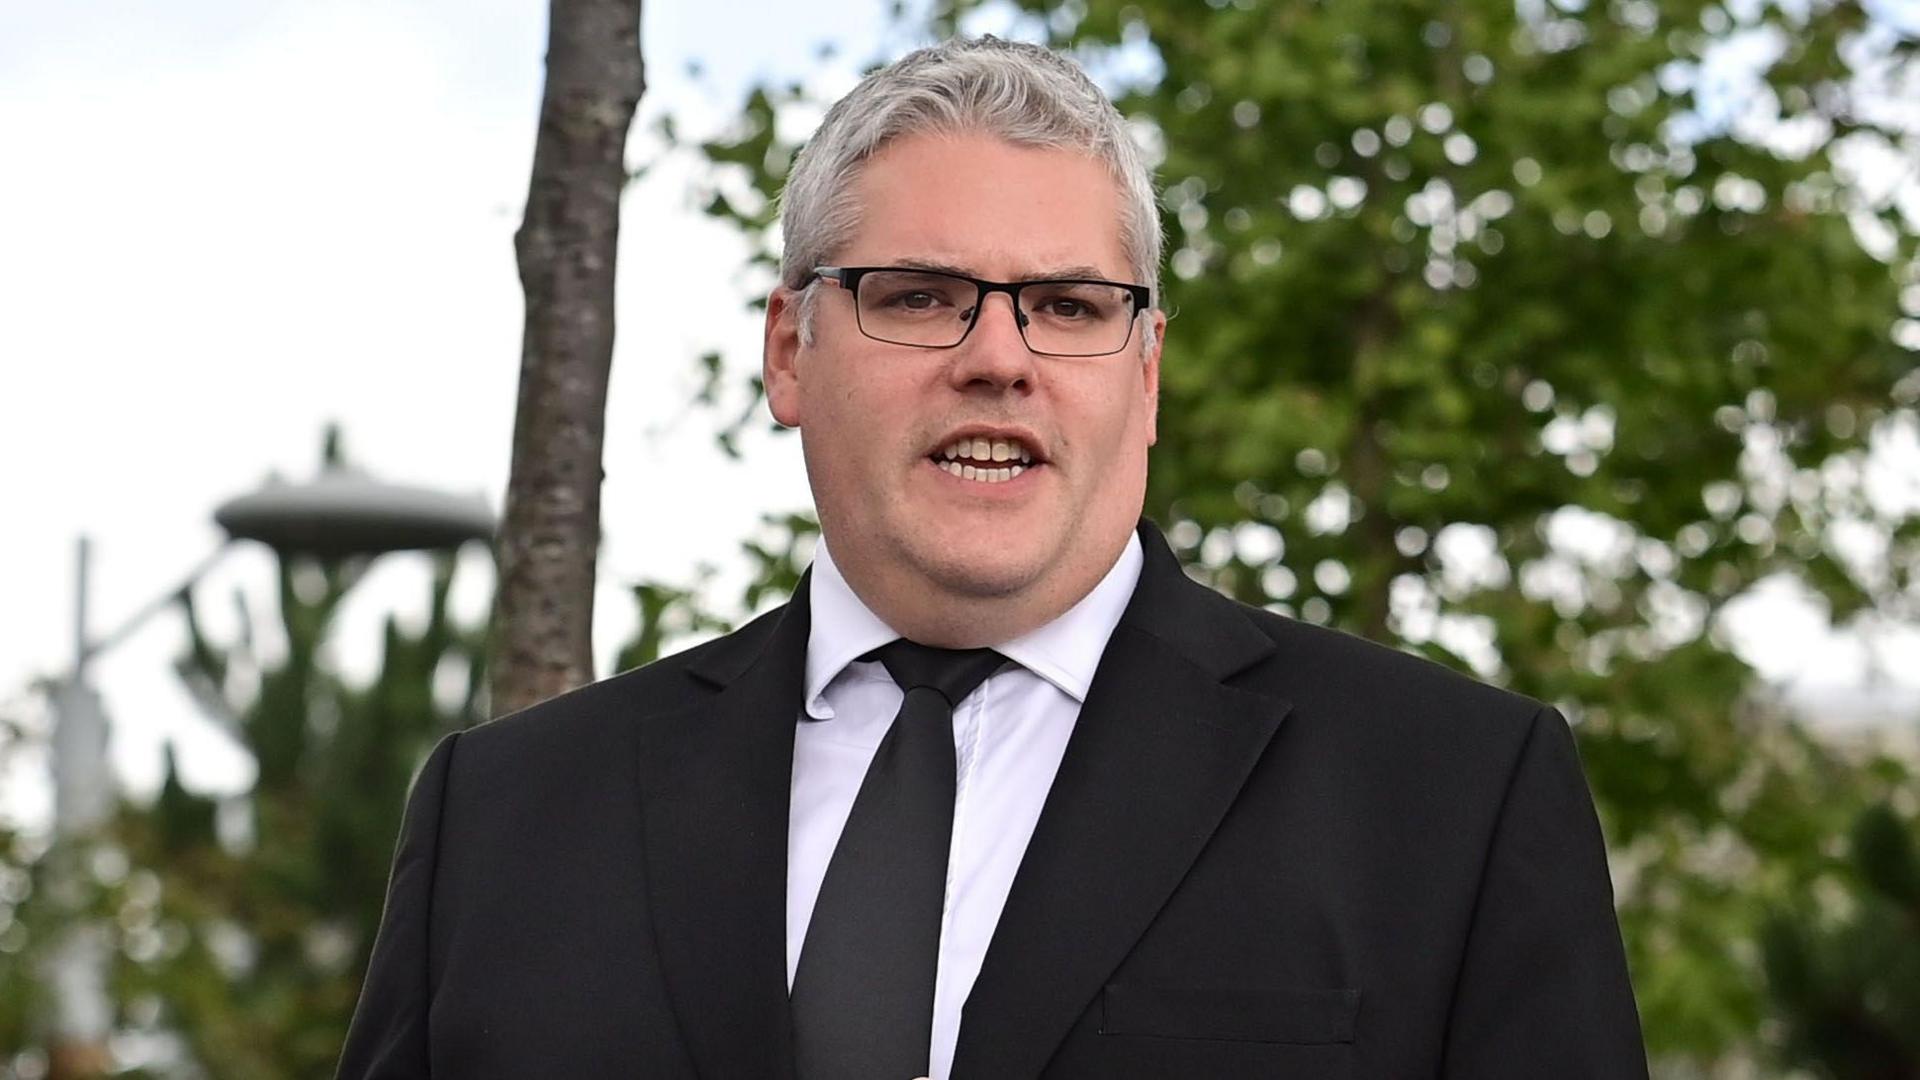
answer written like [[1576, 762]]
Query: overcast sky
[[226, 224]]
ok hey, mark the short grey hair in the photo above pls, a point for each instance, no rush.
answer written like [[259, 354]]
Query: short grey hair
[[1025, 94]]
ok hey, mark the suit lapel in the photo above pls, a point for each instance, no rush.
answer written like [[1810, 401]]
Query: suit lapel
[[1159, 753], [715, 785]]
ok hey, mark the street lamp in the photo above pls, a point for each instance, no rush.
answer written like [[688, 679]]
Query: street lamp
[[341, 513]]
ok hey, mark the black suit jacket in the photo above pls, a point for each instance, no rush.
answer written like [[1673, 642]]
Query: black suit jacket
[[1271, 850]]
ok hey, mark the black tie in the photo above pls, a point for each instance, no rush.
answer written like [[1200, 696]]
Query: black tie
[[863, 991]]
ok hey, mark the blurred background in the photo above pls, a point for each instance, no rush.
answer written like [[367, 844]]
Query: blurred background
[[1569, 342]]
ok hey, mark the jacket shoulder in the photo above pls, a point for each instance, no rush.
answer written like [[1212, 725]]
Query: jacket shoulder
[[587, 714], [1321, 668], [1423, 742]]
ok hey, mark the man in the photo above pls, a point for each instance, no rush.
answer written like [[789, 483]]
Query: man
[[1150, 833]]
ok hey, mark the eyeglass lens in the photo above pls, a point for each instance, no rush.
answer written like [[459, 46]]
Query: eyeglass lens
[[931, 309]]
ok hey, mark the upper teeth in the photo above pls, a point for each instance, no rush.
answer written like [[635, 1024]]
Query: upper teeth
[[989, 450]]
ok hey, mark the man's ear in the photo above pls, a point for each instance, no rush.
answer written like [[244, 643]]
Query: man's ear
[[779, 353], [1156, 328]]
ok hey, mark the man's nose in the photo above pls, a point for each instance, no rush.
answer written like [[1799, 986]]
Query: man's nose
[[995, 352]]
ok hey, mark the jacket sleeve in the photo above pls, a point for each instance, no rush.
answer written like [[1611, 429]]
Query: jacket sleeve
[[1542, 988], [388, 1037]]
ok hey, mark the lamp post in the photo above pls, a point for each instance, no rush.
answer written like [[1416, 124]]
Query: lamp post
[[339, 514]]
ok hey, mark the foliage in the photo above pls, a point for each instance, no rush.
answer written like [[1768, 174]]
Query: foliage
[[19, 989], [241, 927], [255, 942], [1513, 334], [671, 616], [1846, 967], [23, 910]]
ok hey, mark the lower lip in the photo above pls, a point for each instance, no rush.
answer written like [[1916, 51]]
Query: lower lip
[[1012, 486]]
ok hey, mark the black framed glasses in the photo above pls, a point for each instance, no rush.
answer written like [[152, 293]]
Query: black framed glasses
[[933, 309]]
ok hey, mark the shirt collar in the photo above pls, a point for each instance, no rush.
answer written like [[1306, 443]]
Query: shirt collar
[[843, 630], [1064, 652]]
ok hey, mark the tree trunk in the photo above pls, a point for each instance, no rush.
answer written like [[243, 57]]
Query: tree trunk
[[543, 615]]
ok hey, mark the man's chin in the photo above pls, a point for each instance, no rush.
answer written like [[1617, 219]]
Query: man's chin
[[979, 575]]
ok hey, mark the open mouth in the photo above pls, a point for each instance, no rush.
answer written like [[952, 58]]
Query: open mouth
[[986, 460]]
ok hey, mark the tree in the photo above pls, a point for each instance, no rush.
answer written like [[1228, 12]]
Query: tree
[[1502, 334], [566, 248], [1846, 971], [24, 910], [249, 942], [240, 927]]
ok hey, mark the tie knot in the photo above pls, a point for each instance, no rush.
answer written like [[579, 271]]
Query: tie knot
[[952, 672]]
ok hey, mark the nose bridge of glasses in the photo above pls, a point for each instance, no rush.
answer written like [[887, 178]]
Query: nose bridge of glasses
[[1012, 293]]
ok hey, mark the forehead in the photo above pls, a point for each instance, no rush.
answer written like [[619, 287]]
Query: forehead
[[984, 204]]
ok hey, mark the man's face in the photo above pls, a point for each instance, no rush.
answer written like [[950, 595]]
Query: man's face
[[877, 420]]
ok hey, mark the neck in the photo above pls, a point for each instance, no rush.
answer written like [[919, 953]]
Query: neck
[[931, 612]]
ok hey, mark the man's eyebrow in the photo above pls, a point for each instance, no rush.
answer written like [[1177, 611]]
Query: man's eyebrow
[[933, 265], [1078, 270]]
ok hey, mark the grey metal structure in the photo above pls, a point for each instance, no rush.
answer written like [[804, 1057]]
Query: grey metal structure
[[346, 512]]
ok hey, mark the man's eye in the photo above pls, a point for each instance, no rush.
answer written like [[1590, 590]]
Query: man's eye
[[1069, 308], [915, 300]]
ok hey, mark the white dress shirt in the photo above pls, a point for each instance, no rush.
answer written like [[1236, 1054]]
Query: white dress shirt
[[1009, 735]]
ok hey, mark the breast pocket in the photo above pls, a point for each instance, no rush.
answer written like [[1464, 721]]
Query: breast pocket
[[1241, 1014]]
